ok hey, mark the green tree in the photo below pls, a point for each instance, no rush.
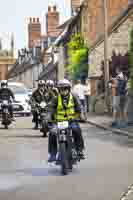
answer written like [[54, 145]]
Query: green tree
[[78, 58]]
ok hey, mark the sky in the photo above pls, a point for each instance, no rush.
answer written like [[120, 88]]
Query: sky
[[14, 16]]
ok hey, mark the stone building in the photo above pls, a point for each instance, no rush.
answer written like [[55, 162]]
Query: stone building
[[27, 68], [118, 39]]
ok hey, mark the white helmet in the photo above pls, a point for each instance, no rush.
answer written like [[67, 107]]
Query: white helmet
[[50, 83], [64, 83]]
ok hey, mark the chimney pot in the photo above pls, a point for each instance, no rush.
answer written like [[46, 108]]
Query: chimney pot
[[34, 19], [54, 8], [49, 8], [37, 19], [30, 20]]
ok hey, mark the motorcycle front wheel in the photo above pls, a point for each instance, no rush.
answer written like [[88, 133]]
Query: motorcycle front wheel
[[6, 126], [64, 161], [43, 129]]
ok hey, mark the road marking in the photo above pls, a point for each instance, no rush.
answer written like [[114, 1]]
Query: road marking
[[126, 194]]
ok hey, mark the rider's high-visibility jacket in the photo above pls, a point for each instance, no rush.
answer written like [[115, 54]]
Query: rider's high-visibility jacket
[[68, 113]]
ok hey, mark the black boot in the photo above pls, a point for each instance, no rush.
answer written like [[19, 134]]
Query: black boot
[[36, 126], [81, 155]]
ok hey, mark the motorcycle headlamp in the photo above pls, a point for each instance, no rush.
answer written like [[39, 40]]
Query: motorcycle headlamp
[[43, 104]]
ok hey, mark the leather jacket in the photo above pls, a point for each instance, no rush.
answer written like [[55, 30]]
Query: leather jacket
[[6, 94]]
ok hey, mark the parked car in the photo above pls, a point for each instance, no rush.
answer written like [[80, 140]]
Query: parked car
[[21, 105], [30, 92]]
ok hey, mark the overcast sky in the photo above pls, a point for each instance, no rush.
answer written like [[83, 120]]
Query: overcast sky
[[14, 15]]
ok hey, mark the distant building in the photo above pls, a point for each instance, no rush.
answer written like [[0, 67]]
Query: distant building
[[7, 59]]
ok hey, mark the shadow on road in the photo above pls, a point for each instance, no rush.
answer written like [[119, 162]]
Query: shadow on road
[[107, 136], [22, 136], [45, 171]]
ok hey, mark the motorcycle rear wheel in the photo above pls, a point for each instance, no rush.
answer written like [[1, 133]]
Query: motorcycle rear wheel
[[6, 126]]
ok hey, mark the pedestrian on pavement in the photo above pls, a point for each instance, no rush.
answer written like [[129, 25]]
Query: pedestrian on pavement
[[120, 99], [87, 93], [79, 91]]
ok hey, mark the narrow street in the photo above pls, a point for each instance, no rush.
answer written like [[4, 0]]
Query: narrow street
[[25, 174]]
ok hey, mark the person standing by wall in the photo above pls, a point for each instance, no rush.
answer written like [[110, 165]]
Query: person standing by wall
[[120, 100], [79, 91], [87, 93]]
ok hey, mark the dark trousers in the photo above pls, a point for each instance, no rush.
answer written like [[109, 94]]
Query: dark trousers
[[10, 108], [83, 105], [77, 135], [87, 98], [35, 117]]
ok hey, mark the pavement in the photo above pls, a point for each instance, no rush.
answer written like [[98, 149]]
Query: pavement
[[104, 122], [105, 174]]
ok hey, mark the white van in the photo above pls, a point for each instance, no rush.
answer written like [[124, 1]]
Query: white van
[[21, 105]]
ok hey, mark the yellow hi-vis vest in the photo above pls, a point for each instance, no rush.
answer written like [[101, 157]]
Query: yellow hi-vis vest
[[69, 113]]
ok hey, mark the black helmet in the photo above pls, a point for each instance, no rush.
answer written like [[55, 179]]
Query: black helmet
[[41, 83], [4, 83]]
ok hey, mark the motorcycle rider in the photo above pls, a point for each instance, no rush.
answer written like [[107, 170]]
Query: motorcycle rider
[[51, 90], [37, 98], [65, 107], [7, 94]]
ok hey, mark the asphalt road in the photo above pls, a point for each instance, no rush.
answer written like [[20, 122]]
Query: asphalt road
[[105, 174]]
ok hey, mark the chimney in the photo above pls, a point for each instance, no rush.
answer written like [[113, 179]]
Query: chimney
[[54, 8], [30, 20], [49, 8], [34, 31], [75, 4], [52, 22]]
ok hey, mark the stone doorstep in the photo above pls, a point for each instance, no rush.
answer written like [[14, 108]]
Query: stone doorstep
[[106, 127]]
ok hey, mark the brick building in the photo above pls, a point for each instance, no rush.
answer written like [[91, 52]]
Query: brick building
[[119, 25], [96, 15]]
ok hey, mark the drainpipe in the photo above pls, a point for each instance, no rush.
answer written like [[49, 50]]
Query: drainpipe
[[106, 61]]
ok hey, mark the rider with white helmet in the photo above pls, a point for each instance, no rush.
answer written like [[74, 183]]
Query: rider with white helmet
[[68, 104]]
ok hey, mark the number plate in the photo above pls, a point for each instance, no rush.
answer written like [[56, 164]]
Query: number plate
[[5, 102], [16, 106], [63, 125]]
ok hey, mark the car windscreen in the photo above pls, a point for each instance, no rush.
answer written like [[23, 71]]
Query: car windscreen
[[18, 89]]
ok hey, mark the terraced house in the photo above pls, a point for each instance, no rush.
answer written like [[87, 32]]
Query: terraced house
[[34, 59]]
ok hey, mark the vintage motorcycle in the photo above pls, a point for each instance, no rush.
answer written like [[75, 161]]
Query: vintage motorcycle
[[42, 114], [6, 118], [66, 148]]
